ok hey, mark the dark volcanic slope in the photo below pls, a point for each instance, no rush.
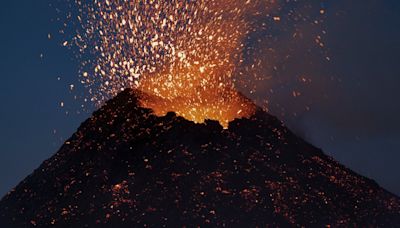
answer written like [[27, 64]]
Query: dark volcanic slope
[[127, 167]]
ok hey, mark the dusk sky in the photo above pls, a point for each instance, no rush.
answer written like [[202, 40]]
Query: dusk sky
[[355, 119]]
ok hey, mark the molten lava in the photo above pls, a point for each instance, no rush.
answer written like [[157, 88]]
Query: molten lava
[[224, 105], [187, 56], [182, 54]]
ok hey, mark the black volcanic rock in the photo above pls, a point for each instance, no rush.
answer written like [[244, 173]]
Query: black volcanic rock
[[125, 167]]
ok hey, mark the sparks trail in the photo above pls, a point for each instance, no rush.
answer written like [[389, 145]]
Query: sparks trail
[[183, 54]]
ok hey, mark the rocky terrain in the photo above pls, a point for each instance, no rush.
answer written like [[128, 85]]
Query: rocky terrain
[[125, 167]]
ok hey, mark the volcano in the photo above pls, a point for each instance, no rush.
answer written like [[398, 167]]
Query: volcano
[[126, 167]]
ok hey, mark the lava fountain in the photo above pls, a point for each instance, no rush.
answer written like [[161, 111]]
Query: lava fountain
[[181, 54]]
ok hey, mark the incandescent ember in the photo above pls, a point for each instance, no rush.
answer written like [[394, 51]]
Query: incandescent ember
[[190, 55]]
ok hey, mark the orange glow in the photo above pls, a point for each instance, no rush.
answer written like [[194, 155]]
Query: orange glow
[[197, 85], [205, 105], [182, 54]]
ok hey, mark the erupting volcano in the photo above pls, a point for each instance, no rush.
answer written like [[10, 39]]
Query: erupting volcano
[[176, 144]]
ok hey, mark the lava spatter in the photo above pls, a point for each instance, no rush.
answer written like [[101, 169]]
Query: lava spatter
[[186, 53]]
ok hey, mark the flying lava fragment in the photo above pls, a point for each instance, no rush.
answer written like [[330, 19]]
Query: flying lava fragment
[[185, 55]]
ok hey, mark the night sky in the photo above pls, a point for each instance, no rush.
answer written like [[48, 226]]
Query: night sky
[[354, 113]]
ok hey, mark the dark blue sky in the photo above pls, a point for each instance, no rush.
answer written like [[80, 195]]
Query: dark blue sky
[[357, 122]]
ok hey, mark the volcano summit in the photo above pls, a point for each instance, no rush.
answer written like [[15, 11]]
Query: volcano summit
[[126, 167]]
